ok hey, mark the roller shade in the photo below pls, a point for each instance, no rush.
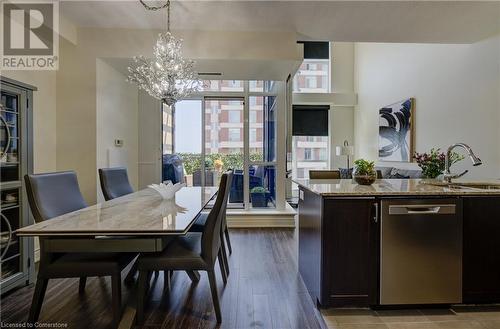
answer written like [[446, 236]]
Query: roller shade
[[310, 120], [316, 49]]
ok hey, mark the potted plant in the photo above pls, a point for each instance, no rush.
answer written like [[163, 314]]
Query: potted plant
[[433, 163], [259, 197], [364, 172]]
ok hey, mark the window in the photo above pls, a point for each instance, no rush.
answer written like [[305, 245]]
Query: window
[[313, 75], [311, 82], [253, 135], [253, 116], [234, 116], [307, 154], [234, 135]]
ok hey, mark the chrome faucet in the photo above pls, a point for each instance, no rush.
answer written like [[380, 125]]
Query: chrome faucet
[[448, 176]]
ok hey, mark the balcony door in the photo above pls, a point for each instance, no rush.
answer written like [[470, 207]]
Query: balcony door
[[227, 126], [223, 143]]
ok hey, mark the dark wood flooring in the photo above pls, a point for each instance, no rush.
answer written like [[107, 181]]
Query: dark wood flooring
[[264, 290]]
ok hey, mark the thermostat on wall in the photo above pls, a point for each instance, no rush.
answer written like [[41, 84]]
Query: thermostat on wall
[[118, 142]]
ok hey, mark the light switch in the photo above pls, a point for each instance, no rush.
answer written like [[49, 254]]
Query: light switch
[[118, 142]]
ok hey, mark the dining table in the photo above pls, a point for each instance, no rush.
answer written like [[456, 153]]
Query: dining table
[[139, 222]]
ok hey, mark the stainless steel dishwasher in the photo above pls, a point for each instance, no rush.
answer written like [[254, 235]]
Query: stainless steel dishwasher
[[421, 251]]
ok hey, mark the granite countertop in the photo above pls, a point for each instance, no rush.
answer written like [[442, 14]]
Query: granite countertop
[[391, 187]]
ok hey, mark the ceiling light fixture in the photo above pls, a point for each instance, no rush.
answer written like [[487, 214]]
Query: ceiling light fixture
[[168, 77]]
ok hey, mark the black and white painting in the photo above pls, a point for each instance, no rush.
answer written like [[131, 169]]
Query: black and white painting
[[395, 131]]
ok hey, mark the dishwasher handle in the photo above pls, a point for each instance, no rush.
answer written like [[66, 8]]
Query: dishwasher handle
[[422, 209]]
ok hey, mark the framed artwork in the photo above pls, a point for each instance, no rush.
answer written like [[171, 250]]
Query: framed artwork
[[395, 131]]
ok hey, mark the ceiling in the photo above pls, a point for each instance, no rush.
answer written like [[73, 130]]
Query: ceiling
[[352, 21]]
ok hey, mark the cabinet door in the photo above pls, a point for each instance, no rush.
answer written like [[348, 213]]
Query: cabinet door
[[350, 252], [310, 205], [481, 253]]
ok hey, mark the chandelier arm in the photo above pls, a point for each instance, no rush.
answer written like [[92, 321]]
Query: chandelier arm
[[148, 7]]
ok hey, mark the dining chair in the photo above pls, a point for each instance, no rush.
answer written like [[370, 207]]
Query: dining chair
[[324, 174], [55, 194], [195, 251], [199, 226], [114, 182]]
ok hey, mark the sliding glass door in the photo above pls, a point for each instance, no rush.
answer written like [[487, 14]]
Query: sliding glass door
[[224, 143], [230, 126]]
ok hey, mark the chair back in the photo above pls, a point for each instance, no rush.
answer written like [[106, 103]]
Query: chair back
[[324, 174], [114, 182], [210, 241], [53, 194]]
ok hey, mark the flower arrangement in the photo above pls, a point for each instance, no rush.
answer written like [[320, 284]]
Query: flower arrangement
[[433, 163], [218, 164]]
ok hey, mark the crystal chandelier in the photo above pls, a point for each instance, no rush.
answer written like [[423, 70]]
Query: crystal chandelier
[[168, 76]]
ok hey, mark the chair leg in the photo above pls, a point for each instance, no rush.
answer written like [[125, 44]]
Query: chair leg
[[222, 266], [224, 255], [116, 296], [215, 296], [141, 292], [36, 304], [166, 280], [130, 275], [194, 276], [226, 232], [81, 286]]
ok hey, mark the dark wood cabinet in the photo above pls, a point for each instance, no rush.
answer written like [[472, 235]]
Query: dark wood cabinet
[[481, 253], [338, 253], [350, 252], [310, 250], [339, 249]]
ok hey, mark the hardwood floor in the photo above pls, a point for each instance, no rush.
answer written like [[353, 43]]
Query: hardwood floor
[[264, 290]]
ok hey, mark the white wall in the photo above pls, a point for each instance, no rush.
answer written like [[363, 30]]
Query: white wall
[[457, 92], [150, 136], [116, 118]]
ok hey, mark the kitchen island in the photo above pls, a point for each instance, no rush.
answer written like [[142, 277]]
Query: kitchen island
[[399, 242]]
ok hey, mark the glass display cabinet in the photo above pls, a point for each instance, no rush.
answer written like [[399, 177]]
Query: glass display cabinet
[[16, 255]]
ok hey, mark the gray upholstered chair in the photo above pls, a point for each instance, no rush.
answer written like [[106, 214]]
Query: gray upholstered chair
[[114, 182], [196, 251], [199, 226], [54, 194], [324, 174]]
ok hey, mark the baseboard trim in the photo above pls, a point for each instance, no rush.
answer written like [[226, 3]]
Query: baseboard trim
[[249, 221]]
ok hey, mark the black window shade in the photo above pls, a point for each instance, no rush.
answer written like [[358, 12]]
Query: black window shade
[[310, 120], [316, 49]]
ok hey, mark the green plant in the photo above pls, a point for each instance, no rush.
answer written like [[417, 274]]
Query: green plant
[[433, 163], [364, 167], [258, 189], [192, 161]]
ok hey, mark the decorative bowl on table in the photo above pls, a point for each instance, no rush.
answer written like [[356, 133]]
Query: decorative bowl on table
[[167, 191]]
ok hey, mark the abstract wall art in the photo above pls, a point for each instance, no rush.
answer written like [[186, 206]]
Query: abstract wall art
[[395, 131]]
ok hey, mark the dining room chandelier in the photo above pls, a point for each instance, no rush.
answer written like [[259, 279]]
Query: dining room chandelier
[[168, 77]]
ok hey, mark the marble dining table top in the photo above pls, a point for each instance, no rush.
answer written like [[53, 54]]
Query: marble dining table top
[[141, 213]]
